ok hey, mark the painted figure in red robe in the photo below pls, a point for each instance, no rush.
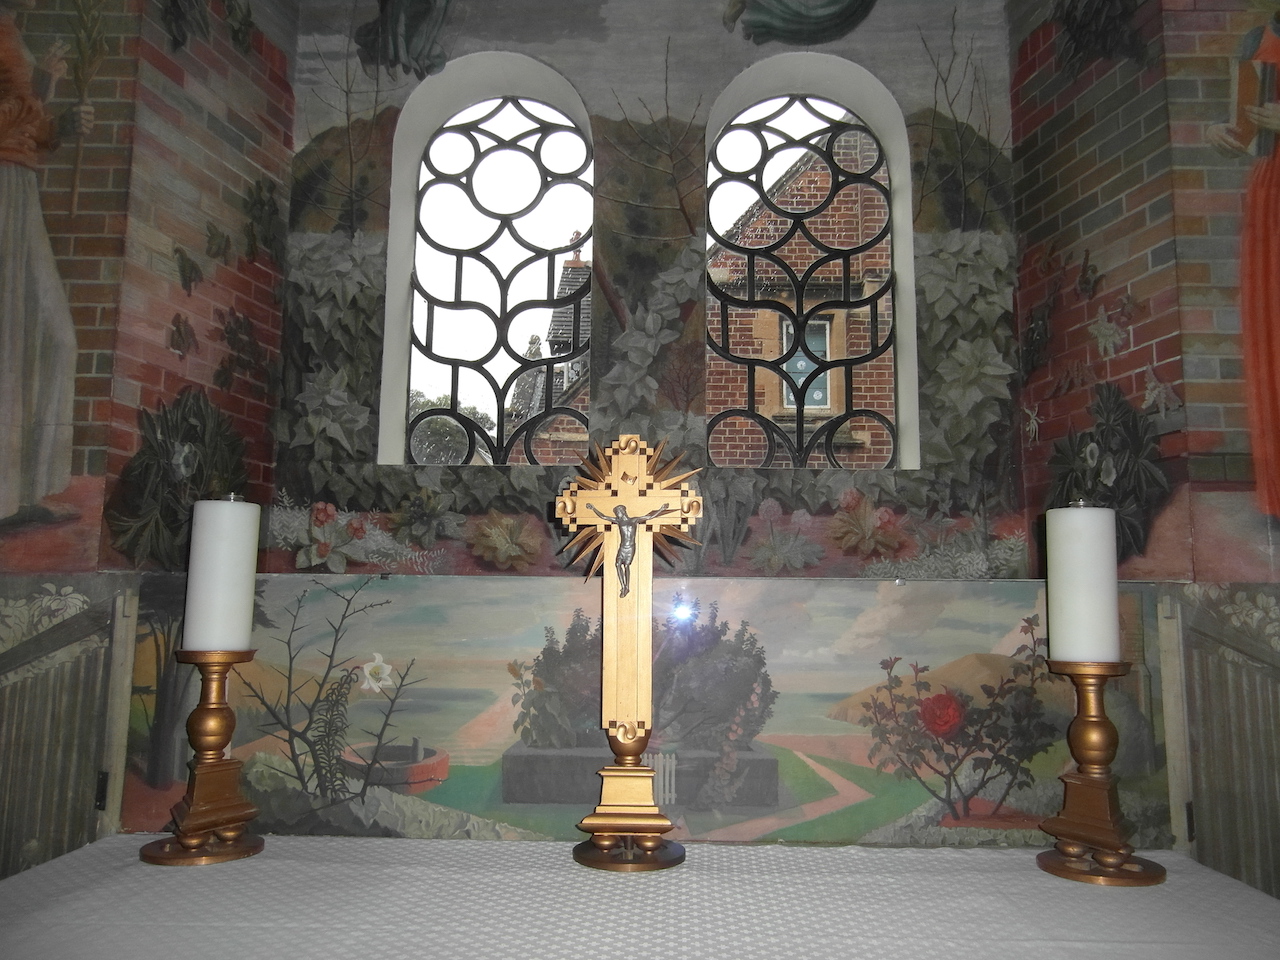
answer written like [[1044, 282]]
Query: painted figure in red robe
[[1253, 131]]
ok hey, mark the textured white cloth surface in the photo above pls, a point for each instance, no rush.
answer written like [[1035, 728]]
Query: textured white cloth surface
[[321, 897]]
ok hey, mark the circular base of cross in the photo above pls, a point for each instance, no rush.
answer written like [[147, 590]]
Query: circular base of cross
[[627, 856]]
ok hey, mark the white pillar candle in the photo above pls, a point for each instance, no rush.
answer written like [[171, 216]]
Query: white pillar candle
[[220, 576], [1083, 605]]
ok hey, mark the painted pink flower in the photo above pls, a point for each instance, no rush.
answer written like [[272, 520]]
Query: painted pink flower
[[850, 499], [322, 549], [322, 513], [356, 528], [942, 715]]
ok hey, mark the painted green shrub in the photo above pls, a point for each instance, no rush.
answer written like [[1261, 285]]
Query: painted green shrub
[[189, 451], [1113, 464]]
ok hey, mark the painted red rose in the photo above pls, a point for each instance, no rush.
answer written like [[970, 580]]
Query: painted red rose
[[942, 715], [322, 513], [356, 528]]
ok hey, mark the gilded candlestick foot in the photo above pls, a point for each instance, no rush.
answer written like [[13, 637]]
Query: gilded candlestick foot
[[210, 820], [1092, 834]]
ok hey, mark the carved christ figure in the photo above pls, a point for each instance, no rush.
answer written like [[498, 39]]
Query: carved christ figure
[[626, 539]]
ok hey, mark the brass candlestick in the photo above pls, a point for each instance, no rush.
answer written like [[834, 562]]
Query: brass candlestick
[[1092, 834], [209, 821]]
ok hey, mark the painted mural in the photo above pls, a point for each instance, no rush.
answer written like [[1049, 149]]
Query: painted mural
[[917, 713], [247, 353], [194, 227], [55, 672], [648, 276]]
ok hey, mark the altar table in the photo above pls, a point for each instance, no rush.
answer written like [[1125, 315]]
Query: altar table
[[335, 897]]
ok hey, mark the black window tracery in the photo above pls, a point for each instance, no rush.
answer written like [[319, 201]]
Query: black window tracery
[[812, 242], [501, 306]]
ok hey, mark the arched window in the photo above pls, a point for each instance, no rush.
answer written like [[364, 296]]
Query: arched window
[[488, 297], [810, 278]]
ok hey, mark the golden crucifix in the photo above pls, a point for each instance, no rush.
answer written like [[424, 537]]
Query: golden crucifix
[[627, 505]]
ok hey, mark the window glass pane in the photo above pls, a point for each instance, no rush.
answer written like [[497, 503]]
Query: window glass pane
[[501, 313], [803, 364], [799, 240]]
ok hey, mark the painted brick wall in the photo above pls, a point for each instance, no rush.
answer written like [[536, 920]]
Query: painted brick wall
[[1095, 181], [212, 122], [89, 244], [1201, 38]]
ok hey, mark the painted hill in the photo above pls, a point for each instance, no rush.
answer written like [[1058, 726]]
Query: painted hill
[[342, 178], [967, 674]]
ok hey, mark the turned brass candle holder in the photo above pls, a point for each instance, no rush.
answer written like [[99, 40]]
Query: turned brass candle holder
[[1092, 833], [209, 821]]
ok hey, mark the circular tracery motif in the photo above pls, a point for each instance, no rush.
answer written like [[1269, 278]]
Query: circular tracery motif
[[504, 200], [799, 238]]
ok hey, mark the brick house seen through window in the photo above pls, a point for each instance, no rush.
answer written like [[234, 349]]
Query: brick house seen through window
[[800, 302]]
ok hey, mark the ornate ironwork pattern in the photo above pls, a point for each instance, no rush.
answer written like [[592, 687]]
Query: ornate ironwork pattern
[[800, 288], [504, 197]]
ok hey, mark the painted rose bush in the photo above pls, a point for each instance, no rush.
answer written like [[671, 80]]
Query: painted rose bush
[[958, 747]]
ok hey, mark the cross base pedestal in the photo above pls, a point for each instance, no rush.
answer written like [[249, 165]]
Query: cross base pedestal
[[626, 826], [627, 856]]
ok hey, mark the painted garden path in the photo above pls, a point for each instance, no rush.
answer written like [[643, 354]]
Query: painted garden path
[[846, 795], [482, 739]]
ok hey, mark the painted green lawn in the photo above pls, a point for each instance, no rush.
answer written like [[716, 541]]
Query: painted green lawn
[[890, 799], [798, 784], [478, 790]]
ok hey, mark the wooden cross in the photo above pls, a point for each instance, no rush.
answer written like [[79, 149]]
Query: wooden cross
[[628, 504]]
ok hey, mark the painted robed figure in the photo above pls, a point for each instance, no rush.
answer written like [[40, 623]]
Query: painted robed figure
[[37, 336]]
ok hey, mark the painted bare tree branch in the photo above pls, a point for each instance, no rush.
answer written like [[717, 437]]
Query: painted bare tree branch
[[350, 189], [674, 144], [309, 714], [959, 77]]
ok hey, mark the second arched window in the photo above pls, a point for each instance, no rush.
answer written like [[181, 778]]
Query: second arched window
[[800, 290]]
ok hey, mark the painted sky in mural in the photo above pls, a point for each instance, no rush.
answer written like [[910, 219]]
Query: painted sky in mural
[[819, 636]]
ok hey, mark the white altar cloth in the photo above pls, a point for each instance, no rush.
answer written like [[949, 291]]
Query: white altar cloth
[[330, 897]]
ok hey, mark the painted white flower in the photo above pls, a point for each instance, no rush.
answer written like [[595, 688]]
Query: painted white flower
[[376, 674]]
